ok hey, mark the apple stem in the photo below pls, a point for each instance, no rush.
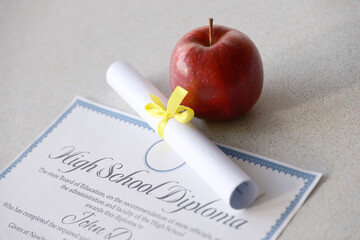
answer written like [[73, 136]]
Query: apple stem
[[210, 31]]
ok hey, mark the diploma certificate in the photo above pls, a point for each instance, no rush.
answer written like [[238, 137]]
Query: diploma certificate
[[97, 173]]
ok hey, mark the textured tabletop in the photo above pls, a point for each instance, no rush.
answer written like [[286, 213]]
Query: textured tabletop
[[308, 114]]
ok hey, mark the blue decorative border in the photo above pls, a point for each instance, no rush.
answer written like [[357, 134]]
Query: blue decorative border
[[308, 177]]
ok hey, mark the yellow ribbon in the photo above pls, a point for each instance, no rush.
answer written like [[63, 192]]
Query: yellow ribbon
[[174, 109]]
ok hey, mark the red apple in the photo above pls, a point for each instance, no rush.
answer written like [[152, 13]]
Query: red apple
[[223, 75]]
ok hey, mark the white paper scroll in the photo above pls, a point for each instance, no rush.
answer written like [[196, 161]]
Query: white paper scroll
[[225, 177]]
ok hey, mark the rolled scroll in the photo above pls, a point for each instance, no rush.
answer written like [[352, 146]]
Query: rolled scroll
[[221, 174]]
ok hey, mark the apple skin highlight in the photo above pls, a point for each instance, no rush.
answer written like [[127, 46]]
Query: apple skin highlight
[[224, 80]]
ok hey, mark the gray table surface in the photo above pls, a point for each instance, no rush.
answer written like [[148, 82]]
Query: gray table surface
[[308, 114]]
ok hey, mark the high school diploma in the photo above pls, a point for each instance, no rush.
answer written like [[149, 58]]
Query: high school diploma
[[97, 173]]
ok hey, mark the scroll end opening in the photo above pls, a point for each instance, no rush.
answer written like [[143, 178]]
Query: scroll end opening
[[244, 195]]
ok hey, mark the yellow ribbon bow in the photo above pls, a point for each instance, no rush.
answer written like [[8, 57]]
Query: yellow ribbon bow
[[174, 109]]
